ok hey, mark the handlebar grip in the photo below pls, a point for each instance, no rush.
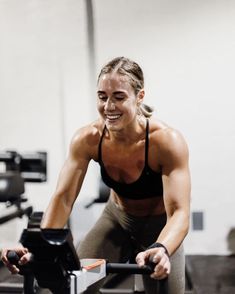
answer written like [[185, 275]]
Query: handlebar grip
[[127, 268], [13, 257]]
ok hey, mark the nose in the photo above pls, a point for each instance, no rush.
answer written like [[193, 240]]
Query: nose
[[109, 105]]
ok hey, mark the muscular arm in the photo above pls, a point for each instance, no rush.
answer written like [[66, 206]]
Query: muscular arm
[[173, 157], [173, 154], [69, 184], [176, 183]]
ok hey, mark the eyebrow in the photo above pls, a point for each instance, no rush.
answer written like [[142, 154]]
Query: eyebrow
[[119, 92], [116, 92]]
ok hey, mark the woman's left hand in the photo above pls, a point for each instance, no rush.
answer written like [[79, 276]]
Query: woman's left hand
[[157, 256]]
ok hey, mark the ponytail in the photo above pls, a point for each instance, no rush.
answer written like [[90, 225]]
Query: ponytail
[[146, 110]]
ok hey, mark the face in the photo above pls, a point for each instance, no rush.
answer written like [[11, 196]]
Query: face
[[117, 101]]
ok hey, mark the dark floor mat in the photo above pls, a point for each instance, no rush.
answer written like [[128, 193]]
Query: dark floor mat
[[211, 274]]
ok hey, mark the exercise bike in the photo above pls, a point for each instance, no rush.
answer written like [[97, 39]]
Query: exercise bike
[[55, 265]]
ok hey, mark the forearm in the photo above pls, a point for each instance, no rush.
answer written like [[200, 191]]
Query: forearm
[[174, 231], [56, 215]]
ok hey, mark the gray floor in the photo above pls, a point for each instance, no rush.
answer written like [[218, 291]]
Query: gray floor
[[213, 274]]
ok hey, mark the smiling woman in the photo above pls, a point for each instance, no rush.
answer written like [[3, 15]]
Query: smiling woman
[[121, 86], [145, 164]]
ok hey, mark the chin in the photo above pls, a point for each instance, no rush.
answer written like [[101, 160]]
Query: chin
[[113, 126]]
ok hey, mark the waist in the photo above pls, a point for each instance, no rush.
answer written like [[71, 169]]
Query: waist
[[140, 207]]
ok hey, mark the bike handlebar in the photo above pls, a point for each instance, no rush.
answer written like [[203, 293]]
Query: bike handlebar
[[128, 268], [54, 258], [13, 257], [119, 268]]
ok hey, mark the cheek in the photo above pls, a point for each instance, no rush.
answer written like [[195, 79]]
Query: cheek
[[130, 106], [100, 107]]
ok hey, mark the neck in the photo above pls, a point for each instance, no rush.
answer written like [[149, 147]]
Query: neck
[[131, 134]]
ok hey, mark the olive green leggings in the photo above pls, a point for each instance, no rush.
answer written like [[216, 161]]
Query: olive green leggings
[[117, 237]]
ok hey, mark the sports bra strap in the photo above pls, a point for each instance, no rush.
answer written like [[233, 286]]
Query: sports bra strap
[[100, 143], [146, 143]]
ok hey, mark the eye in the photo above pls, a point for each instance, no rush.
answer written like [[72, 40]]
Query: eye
[[102, 96], [119, 96]]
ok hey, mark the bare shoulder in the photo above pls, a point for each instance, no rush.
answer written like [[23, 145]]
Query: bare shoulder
[[169, 141], [86, 139]]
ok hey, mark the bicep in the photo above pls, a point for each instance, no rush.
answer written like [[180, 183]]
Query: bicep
[[177, 190], [72, 173], [176, 178]]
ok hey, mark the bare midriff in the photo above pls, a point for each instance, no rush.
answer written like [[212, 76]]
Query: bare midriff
[[140, 207]]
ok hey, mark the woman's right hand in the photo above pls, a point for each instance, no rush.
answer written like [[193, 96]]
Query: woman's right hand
[[24, 257]]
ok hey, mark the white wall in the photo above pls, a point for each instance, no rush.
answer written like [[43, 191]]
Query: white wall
[[44, 90], [186, 49]]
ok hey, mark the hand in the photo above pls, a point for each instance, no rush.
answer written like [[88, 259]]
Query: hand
[[23, 254], [157, 256]]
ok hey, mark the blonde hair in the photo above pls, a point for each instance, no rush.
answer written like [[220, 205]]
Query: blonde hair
[[146, 110]]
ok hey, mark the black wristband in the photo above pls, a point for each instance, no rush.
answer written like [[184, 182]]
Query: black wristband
[[157, 245]]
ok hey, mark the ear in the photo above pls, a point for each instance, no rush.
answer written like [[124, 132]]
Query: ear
[[140, 96]]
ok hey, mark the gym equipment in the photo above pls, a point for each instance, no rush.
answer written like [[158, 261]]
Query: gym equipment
[[15, 170], [56, 266], [11, 192], [20, 168], [31, 166]]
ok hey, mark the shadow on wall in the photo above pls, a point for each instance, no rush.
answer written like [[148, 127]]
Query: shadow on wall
[[231, 241]]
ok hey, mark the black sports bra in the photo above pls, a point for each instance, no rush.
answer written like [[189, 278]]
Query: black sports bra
[[148, 185]]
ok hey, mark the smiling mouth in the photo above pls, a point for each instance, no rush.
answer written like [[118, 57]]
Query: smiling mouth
[[113, 117]]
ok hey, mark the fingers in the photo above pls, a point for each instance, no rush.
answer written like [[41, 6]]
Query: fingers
[[25, 258], [11, 267], [21, 252], [142, 258], [4, 256], [162, 268], [159, 257]]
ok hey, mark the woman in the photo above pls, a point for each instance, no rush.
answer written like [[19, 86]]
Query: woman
[[145, 163]]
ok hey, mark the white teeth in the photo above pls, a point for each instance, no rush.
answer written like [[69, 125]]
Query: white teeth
[[112, 116]]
